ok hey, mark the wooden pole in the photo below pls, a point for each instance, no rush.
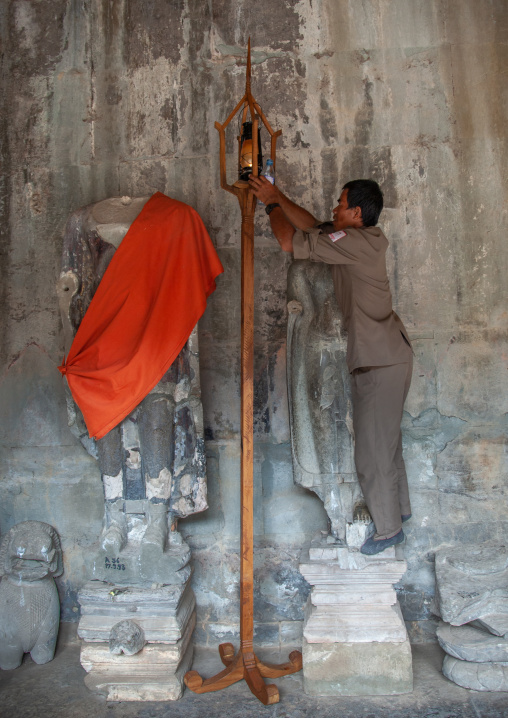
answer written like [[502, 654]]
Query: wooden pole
[[245, 664], [247, 428]]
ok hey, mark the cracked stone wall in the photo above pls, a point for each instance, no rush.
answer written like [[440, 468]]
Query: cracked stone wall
[[104, 99]]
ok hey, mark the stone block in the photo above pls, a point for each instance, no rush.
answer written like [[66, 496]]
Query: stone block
[[229, 472], [127, 568], [153, 658], [32, 403], [223, 633], [216, 587], [162, 612], [220, 382], [221, 321], [468, 643], [472, 585], [477, 676], [266, 634], [362, 624], [471, 472], [357, 669], [484, 118], [167, 618], [148, 682], [141, 177], [471, 375], [291, 633]]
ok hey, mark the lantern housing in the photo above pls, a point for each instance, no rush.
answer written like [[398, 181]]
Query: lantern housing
[[246, 149]]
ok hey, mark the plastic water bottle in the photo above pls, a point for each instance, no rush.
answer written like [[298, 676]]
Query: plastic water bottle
[[269, 174]]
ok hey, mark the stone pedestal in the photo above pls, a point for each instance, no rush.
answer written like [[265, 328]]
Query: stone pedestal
[[355, 641], [167, 617]]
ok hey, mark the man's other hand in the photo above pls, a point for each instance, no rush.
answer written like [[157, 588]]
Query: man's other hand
[[264, 190]]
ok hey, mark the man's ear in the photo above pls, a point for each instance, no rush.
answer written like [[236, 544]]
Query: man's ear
[[358, 214]]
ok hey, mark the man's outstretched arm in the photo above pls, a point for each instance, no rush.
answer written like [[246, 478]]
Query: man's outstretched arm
[[271, 194], [282, 229]]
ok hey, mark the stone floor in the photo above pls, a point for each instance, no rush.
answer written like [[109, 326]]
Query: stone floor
[[57, 690]]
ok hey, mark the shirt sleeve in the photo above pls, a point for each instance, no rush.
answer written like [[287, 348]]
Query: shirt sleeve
[[318, 246]]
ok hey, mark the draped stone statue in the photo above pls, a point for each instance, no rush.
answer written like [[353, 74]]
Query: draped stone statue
[[153, 463], [320, 400]]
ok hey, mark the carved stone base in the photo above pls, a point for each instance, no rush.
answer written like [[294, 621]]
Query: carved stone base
[[167, 617], [154, 674], [129, 567], [355, 640]]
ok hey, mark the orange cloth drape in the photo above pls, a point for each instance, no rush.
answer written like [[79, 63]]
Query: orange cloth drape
[[144, 310]]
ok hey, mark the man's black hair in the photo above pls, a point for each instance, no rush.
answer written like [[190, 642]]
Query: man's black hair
[[366, 194]]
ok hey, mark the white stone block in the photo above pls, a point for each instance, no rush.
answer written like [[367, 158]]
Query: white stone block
[[357, 669]]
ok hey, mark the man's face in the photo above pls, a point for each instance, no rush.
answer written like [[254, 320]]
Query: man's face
[[344, 217]]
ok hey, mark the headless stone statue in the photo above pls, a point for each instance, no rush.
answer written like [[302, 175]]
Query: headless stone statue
[[320, 401], [153, 463]]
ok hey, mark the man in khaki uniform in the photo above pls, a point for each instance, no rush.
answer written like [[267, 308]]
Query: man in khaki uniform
[[379, 354]]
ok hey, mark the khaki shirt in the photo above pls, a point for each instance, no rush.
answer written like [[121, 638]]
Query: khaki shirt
[[376, 335]]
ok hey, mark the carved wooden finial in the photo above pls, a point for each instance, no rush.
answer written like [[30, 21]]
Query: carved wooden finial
[[247, 77]]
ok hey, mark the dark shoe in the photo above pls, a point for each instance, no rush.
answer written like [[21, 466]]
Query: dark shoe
[[371, 547]]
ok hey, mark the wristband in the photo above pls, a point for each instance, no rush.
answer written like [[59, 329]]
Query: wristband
[[270, 207]]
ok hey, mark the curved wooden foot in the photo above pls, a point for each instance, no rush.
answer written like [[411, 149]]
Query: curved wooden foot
[[193, 680], [227, 653], [266, 694], [232, 674], [271, 670]]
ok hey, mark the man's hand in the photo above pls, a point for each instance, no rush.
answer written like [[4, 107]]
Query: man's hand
[[284, 218], [264, 190]]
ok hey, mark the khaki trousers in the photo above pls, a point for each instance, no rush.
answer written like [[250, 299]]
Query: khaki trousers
[[378, 395]]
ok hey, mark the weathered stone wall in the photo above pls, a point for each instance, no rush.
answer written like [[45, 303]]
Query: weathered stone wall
[[103, 99]]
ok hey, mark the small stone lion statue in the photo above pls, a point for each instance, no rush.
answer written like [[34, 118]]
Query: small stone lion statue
[[30, 556]]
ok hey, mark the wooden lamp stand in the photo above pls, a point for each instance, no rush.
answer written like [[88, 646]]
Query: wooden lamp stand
[[245, 664]]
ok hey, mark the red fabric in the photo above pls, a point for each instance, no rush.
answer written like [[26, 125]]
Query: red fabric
[[144, 310]]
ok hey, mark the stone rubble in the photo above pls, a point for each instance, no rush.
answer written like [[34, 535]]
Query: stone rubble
[[472, 599]]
